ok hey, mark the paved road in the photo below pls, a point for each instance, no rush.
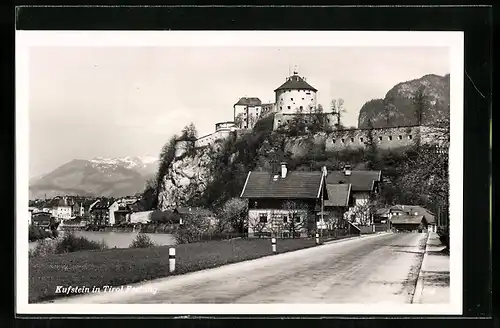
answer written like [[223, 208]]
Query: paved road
[[375, 269]]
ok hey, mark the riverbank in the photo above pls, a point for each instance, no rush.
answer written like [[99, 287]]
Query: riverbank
[[116, 267], [160, 228], [116, 239]]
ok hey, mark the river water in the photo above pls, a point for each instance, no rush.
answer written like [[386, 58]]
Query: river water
[[119, 239]]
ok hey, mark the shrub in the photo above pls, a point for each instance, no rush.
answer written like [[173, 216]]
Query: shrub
[[71, 243], [44, 248], [142, 241], [36, 233], [55, 233]]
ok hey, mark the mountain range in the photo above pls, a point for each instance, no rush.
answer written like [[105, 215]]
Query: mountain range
[[109, 177]]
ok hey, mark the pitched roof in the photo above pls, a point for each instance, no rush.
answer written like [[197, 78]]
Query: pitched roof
[[412, 209], [338, 194], [296, 82], [407, 219], [103, 204], [51, 203], [360, 180], [382, 211], [296, 185], [249, 101], [64, 202]]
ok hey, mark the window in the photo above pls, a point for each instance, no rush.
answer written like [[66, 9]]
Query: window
[[281, 107], [291, 99], [400, 137], [342, 140], [328, 120], [263, 218], [285, 218], [409, 137], [360, 139], [333, 140], [352, 139], [380, 138], [308, 93], [288, 107], [390, 138], [301, 107], [302, 98], [306, 121]]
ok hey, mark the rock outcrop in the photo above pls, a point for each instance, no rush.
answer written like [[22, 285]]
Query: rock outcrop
[[187, 176], [400, 105]]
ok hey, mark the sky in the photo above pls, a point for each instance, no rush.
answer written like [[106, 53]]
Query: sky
[[87, 102]]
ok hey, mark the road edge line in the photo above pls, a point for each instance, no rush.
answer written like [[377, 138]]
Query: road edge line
[[419, 287], [353, 238]]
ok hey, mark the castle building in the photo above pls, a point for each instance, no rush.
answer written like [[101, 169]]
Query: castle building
[[247, 112], [295, 97], [222, 131]]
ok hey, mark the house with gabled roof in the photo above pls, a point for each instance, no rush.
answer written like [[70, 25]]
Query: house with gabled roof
[[409, 222], [100, 211], [403, 211], [283, 201], [361, 185]]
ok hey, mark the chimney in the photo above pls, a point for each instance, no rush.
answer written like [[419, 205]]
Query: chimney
[[347, 169], [283, 170]]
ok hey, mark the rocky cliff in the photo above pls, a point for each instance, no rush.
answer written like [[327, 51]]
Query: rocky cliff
[[424, 100], [187, 177]]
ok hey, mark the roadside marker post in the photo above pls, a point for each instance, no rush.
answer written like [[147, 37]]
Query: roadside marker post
[[171, 259], [317, 239], [273, 243]]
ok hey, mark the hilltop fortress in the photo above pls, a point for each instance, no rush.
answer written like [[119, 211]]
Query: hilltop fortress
[[297, 97]]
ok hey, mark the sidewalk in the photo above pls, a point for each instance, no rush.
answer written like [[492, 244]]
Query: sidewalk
[[433, 285]]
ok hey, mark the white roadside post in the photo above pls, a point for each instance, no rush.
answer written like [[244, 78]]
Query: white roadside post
[[273, 243], [317, 239], [171, 259]]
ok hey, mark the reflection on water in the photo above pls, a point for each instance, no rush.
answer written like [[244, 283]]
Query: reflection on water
[[119, 239]]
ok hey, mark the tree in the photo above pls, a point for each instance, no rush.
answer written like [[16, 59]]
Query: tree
[[149, 197], [388, 109], [371, 147], [257, 225], [276, 225], [420, 104], [338, 110], [235, 213], [189, 132], [362, 213], [192, 229], [238, 120], [297, 218]]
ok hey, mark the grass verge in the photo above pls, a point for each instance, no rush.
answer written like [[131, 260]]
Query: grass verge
[[116, 267]]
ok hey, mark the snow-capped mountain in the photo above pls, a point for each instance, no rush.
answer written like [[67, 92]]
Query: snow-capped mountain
[[112, 177], [145, 165]]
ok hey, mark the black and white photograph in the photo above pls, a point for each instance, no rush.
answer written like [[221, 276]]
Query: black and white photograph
[[233, 172]]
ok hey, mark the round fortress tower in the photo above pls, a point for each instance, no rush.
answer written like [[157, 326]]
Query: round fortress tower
[[295, 95]]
